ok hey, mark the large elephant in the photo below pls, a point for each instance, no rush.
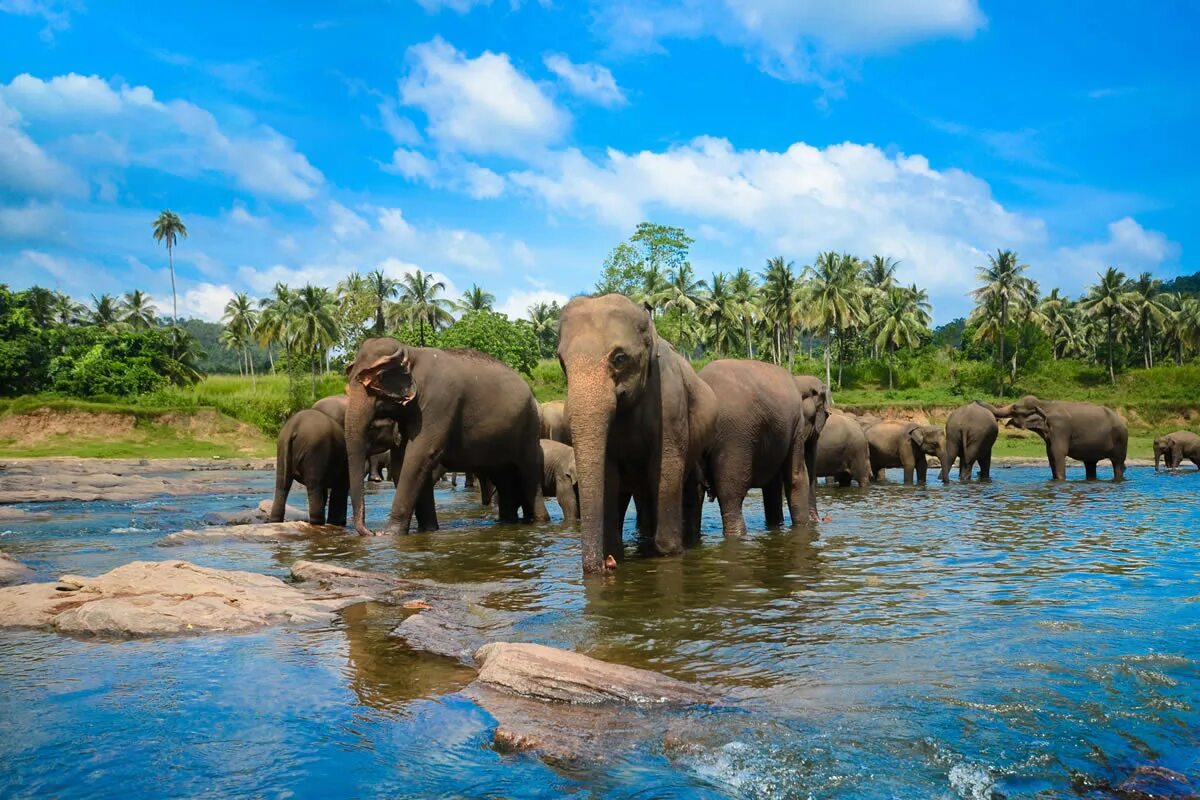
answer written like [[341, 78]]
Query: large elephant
[[1083, 431], [560, 478], [311, 449], [456, 409], [554, 421], [640, 421], [758, 442], [842, 452], [906, 446], [383, 438], [1176, 447], [971, 430]]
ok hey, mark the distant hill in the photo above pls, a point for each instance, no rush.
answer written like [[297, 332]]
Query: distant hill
[[1184, 284], [217, 360]]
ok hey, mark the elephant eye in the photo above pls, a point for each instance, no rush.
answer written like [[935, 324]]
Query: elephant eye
[[619, 359]]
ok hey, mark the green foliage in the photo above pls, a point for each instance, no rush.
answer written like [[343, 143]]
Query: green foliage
[[514, 343]]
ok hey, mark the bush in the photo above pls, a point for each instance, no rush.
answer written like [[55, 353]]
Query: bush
[[514, 343]]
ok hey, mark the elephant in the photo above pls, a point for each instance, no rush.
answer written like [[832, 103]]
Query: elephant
[[1083, 431], [759, 441], [455, 409], [904, 445], [554, 421], [377, 463], [384, 436], [560, 479], [640, 420], [971, 431], [1176, 447], [843, 453], [311, 449]]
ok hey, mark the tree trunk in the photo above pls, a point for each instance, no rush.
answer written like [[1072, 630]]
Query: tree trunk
[[828, 342], [253, 377], [1112, 375], [271, 357], [749, 340]]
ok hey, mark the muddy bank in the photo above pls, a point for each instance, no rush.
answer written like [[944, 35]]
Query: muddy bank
[[45, 480], [65, 428]]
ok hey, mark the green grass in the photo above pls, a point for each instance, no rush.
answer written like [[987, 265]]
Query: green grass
[[153, 442]]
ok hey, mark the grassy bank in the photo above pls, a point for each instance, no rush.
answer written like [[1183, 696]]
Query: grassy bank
[[227, 415]]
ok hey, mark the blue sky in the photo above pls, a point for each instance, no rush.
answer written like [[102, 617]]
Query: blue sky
[[512, 144]]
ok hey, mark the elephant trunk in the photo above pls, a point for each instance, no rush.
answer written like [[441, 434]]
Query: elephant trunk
[[590, 417], [1157, 456], [360, 413], [998, 413]]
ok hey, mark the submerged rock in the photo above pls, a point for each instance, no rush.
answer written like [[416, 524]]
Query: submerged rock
[[82, 479], [250, 516], [258, 532], [21, 515], [13, 571], [149, 598], [455, 628]]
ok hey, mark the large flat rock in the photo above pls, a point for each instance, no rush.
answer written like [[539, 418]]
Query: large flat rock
[[13, 571], [259, 532], [161, 598], [82, 479]]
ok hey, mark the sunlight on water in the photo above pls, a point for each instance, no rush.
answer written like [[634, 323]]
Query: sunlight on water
[[969, 640]]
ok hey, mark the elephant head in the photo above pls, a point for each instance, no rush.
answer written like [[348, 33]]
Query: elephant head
[[608, 349], [1168, 449], [379, 384], [929, 439], [1016, 410], [1033, 419], [815, 402]]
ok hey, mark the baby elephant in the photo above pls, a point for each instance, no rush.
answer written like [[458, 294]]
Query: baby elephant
[[1177, 447], [904, 445], [559, 479], [312, 450]]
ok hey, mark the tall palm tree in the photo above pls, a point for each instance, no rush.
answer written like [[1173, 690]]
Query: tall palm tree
[[420, 303], [313, 327], [1112, 301], [902, 320], [682, 291], [745, 297], [837, 307], [41, 304], [241, 322], [137, 310], [380, 290], [476, 299], [67, 311], [653, 288], [274, 318], [1150, 307], [544, 318], [1006, 293], [878, 276], [720, 311], [1189, 325], [779, 300], [105, 313], [353, 298], [169, 229]]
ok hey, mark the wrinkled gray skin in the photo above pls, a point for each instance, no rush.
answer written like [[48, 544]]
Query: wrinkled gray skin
[[640, 421], [1177, 447], [904, 445], [971, 431], [311, 449], [456, 409], [384, 436], [1083, 431], [554, 421], [560, 479], [758, 442], [843, 453]]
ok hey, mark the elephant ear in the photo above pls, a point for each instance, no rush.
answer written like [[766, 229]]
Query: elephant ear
[[388, 376], [651, 334], [917, 434]]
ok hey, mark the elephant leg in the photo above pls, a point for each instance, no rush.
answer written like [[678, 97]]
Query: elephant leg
[[810, 468], [1057, 454], [668, 504], [1089, 468], [908, 475], [564, 491], [844, 478], [693, 506], [1118, 465], [339, 494], [773, 502], [797, 486], [730, 499], [880, 474], [426, 511], [951, 455], [415, 473], [922, 468], [614, 501], [985, 465], [468, 480], [316, 503], [487, 489], [283, 485], [502, 485], [529, 482]]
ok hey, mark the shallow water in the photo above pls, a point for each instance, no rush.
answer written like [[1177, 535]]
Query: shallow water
[[1018, 639]]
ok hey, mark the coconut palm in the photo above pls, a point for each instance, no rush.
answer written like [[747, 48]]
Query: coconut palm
[[241, 322], [41, 304], [544, 318], [780, 294], [1149, 304], [744, 289], [836, 298], [1189, 325], [1006, 293], [476, 299], [105, 313], [720, 313], [137, 311], [353, 297], [169, 229], [653, 288], [878, 276], [380, 290], [312, 326], [1112, 301], [902, 319], [420, 304], [67, 312], [275, 313], [682, 292]]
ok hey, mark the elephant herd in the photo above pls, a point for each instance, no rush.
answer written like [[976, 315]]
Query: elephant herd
[[638, 424]]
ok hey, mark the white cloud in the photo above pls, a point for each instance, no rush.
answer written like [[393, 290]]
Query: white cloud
[[30, 222], [56, 13], [447, 172], [460, 6], [202, 300], [411, 164], [1129, 247], [176, 137], [516, 304], [242, 216], [344, 223], [25, 167], [401, 129], [481, 105], [590, 81]]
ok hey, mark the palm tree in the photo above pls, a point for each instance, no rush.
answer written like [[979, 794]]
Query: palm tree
[[745, 297], [1150, 308], [1006, 292], [42, 304], [380, 290], [779, 296], [420, 304], [105, 313], [544, 318], [354, 302], [476, 299], [241, 322], [67, 311], [274, 318], [313, 327], [1189, 325], [902, 319], [878, 276], [653, 288], [137, 310], [682, 291], [837, 307], [1110, 300], [720, 310], [169, 228]]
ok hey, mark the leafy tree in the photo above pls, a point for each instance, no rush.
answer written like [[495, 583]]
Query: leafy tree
[[168, 229], [836, 302], [105, 313], [312, 328], [902, 321], [745, 297], [1149, 305], [241, 322], [421, 305], [621, 272], [514, 343], [476, 299], [544, 319], [1112, 301], [274, 320], [381, 289], [720, 310], [1006, 292], [137, 311], [780, 293]]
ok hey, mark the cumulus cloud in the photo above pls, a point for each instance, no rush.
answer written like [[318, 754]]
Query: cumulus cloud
[[1128, 246], [55, 13], [30, 222], [481, 105], [447, 171], [516, 304], [177, 136], [203, 300], [27, 168], [592, 82]]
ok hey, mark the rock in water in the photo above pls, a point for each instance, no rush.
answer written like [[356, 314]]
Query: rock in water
[[250, 532], [547, 673], [13, 571], [158, 598], [256, 515]]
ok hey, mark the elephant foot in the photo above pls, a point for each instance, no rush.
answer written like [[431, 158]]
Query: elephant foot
[[391, 529], [610, 563], [362, 530]]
